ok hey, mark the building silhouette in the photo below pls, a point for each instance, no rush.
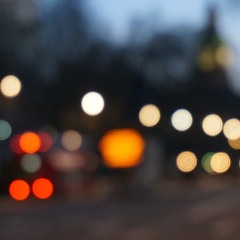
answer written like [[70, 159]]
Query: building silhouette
[[206, 92]]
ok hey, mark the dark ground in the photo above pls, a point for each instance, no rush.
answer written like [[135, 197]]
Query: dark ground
[[209, 209]]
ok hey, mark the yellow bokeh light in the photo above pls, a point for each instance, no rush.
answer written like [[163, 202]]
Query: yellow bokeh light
[[224, 56], [206, 59], [92, 103], [220, 162], [10, 86], [71, 140], [231, 129], [149, 115], [181, 120], [122, 148], [235, 144], [186, 161], [212, 125]]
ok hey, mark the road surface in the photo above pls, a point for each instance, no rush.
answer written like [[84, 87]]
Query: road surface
[[172, 211]]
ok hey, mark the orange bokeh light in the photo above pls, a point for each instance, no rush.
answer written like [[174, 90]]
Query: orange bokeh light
[[30, 142], [122, 148], [42, 188], [19, 190]]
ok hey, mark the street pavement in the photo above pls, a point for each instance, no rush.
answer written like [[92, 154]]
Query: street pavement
[[170, 210]]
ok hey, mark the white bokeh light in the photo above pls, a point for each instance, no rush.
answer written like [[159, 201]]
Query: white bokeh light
[[92, 103], [212, 125], [10, 86], [231, 129], [181, 120]]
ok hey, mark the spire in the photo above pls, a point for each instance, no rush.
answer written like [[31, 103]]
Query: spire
[[212, 17], [213, 56]]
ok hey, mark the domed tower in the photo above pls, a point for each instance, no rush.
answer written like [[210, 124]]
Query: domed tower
[[209, 85], [213, 57]]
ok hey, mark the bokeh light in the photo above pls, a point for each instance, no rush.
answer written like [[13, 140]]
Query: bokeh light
[[122, 148], [220, 162], [206, 59], [5, 130], [92, 103], [235, 144], [49, 129], [31, 163], [212, 125], [210, 58], [149, 115], [14, 144], [181, 120], [42, 188], [186, 161], [224, 56], [71, 140], [46, 141], [10, 86], [30, 142], [206, 162], [64, 161], [231, 129], [19, 190]]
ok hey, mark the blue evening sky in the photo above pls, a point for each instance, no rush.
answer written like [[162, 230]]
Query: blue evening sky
[[117, 15], [114, 17]]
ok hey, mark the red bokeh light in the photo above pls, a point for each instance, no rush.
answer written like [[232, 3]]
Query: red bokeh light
[[46, 141], [42, 188], [19, 190], [14, 144]]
